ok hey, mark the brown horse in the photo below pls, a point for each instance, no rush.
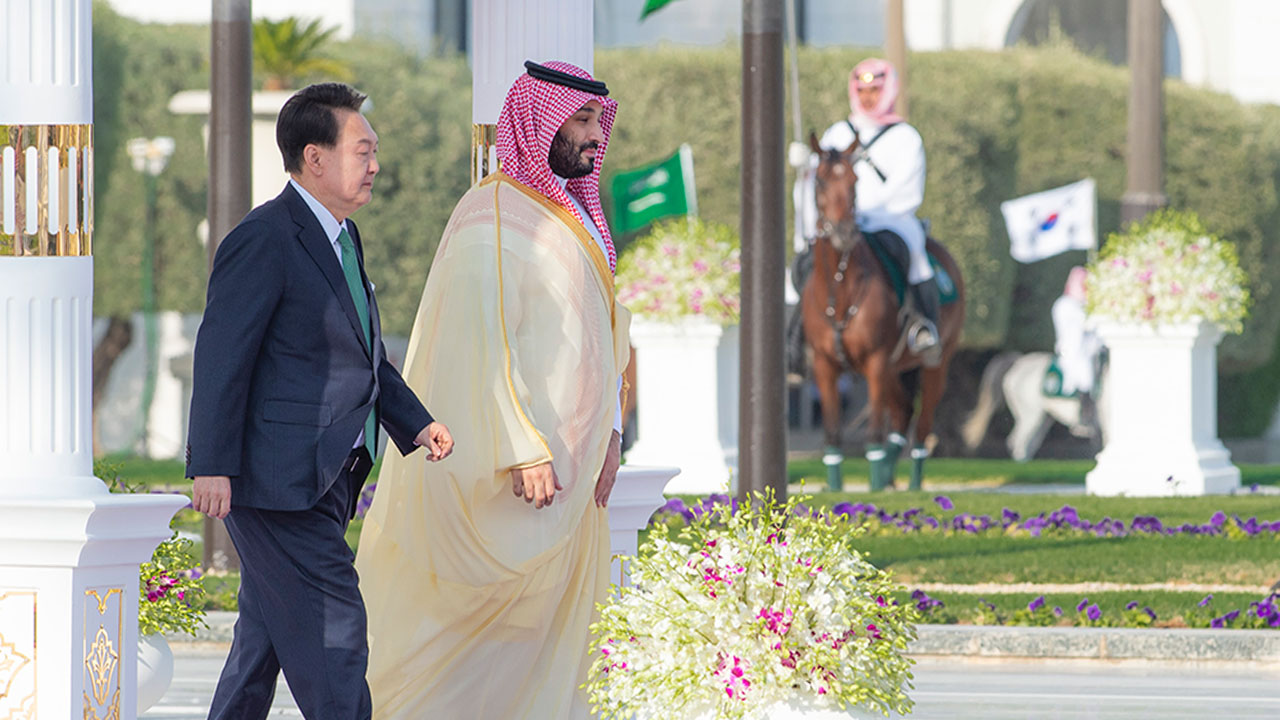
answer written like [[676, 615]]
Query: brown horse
[[851, 320]]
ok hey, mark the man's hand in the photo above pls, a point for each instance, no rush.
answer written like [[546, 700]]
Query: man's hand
[[537, 484], [437, 440], [609, 473], [211, 495]]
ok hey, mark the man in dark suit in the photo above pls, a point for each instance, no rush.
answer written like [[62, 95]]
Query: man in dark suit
[[291, 385]]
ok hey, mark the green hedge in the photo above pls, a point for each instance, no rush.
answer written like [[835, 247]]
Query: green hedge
[[996, 125]]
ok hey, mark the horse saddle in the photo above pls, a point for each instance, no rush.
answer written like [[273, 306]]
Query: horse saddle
[[1051, 384], [892, 252]]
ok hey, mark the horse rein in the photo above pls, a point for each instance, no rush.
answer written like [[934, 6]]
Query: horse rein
[[838, 324]]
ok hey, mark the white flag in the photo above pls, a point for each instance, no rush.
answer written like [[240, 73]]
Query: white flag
[[1046, 223]]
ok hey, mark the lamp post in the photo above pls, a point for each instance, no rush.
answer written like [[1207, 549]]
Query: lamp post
[[150, 156]]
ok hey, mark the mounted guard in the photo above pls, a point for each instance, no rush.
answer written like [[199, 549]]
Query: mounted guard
[[890, 165]]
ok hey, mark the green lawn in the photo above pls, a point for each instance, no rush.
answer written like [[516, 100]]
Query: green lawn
[[1061, 556], [987, 471], [920, 558], [961, 558]]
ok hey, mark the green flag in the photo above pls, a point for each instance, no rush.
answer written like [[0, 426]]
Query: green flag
[[652, 6], [648, 193]]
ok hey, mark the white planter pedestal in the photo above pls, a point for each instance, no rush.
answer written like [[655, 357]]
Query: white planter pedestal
[[636, 495], [687, 402], [69, 550], [1162, 399], [155, 670]]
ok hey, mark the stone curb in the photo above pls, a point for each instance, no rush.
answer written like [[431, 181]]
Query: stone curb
[[1001, 642]]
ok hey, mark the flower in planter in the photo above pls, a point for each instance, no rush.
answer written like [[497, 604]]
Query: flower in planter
[[746, 608], [682, 269], [1168, 268], [171, 595], [171, 590]]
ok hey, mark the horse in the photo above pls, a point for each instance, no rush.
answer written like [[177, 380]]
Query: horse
[[851, 318], [1016, 380]]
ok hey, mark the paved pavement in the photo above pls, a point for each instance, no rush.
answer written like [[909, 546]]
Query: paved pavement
[[954, 688]]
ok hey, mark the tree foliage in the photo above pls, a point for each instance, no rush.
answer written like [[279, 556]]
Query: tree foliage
[[287, 51], [996, 125]]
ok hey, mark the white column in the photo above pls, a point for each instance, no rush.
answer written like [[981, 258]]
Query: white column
[[1162, 413], [505, 33], [268, 177], [687, 402], [69, 550]]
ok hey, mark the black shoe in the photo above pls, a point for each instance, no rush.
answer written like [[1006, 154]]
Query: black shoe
[[1089, 414], [925, 339]]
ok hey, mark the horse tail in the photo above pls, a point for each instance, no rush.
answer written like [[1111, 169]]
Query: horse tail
[[990, 398]]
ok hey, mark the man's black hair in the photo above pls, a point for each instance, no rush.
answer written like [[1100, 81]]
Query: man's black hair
[[309, 118]]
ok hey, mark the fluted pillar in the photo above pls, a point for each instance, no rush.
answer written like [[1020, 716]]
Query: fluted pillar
[[69, 550], [505, 33]]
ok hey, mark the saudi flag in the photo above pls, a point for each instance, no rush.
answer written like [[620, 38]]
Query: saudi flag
[[652, 6], [655, 191]]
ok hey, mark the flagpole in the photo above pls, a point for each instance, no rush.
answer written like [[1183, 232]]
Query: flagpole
[[690, 188], [793, 39]]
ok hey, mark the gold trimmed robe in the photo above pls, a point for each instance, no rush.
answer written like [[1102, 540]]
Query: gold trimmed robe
[[478, 603]]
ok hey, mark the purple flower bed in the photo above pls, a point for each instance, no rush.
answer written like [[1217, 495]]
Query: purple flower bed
[[1260, 614], [1064, 518]]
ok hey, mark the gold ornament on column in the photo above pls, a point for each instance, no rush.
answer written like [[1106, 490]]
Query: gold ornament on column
[[102, 656], [484, 151], [18, 655], [46, 190]]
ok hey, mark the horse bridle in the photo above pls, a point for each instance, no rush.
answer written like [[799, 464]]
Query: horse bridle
[[828, 229], [840, 321]]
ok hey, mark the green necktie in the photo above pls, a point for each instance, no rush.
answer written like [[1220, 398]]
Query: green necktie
[[351, 271]]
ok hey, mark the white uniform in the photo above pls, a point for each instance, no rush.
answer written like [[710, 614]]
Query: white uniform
[[888, 204], [1076, 345]]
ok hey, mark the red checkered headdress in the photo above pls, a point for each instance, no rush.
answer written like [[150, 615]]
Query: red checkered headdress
[[533, 113]]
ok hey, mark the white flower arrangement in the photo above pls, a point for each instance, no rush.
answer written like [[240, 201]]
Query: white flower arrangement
[[683, 268], [746, 609], [1169, 269]]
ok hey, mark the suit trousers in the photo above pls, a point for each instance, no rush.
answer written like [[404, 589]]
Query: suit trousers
[[300, 611]]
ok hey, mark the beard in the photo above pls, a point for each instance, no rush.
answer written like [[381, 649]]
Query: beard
[[566, 159]]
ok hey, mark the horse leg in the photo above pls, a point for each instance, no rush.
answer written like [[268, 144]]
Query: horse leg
[[901, 398], [933, 384], [1029, 428], [880, 384], [826, 375]]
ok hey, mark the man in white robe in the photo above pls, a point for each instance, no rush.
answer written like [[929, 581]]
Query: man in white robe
[[482, 572]]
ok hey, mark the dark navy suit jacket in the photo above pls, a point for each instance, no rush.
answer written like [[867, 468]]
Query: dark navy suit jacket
[[283, 378]]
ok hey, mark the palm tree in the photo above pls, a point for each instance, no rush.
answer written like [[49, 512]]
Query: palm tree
[[286, 51]]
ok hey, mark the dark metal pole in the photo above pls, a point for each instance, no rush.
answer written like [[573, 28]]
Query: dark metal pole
[[230, 116], [230, 181], [762, 438], [1144, 188]]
